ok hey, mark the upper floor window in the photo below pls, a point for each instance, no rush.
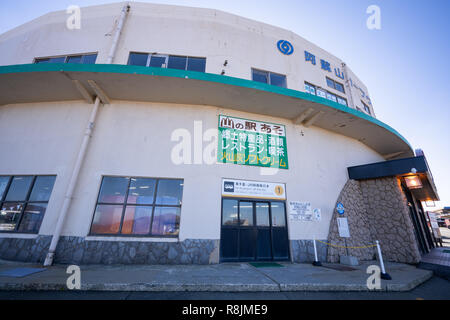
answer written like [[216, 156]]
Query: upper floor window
[[312, 89], [167, 61], [274, 79], [23, 201], [335, 85], [82, 58], [138, 206], [366, 107]]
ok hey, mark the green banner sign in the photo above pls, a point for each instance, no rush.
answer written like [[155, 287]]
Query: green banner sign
[[253, 143]]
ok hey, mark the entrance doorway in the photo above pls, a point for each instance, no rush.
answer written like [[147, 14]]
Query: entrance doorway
[[253, 230]]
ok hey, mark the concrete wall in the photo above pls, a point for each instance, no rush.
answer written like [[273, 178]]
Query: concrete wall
[[164, 29], [134, 139]]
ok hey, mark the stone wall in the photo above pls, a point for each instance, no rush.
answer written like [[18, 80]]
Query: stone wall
[[303, 250], [390, 220], [77, 250], [376, 209]]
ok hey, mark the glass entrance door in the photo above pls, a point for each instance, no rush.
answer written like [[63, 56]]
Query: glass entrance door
[[253, 230]]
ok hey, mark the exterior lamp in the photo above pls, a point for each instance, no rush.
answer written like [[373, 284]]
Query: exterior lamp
[[413, 182]]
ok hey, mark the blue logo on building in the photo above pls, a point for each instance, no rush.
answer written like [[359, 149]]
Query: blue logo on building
[[285, 47], [340, 208]]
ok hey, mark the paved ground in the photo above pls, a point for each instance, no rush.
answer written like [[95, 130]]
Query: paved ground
[[434, 289], [227, 277]]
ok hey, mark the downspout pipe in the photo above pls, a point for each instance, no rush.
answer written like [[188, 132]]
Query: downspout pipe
[[349, 88], [83, 149]]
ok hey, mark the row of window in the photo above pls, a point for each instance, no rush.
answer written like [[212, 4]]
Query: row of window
[[80, 59], [23, 201], [335, 85], [125, 205], [167, 61], [312, 89]]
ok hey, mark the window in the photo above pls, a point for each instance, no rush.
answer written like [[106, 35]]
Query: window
[[138, 206], [274, 79], [167, 61], [83, 59], [310, 88], [335, 85], [366, 107], [23, 201]]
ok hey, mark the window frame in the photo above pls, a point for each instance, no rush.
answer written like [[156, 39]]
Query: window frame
[[66, 57], [125, 204], [327, 79], [167, 58], [268, 77], [366, 108], [24, 202]]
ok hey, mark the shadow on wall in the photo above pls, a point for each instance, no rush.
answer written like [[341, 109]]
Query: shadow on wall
[[376, 210]]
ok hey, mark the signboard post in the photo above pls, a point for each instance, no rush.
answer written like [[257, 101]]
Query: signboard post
[[253, 143]]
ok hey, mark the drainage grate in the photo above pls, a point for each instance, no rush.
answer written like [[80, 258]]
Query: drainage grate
[[266, 265]]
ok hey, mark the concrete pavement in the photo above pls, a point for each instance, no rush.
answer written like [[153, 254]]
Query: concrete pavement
[[226, 277]]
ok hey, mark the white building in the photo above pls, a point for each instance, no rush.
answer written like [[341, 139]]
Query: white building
[[145, 136]]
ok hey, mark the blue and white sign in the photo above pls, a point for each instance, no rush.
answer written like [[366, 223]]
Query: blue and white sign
[[340, 208], [285, 47]]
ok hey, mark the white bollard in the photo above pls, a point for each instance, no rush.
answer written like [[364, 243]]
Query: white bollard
[[384, 275], [316, 260]]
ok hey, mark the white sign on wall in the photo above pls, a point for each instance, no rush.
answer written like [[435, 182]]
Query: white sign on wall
[[344, 231], [300, 211], [253, 189]]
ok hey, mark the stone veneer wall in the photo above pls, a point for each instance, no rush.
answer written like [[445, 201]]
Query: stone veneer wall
[[77, 250], [376, 210], [303, 250]]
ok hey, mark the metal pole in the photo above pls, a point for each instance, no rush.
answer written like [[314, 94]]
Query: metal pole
[[384, 275], [316, 260]]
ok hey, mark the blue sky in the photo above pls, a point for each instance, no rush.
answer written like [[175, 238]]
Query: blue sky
[[405, 65]]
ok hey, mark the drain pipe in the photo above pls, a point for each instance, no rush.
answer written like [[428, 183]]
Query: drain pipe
[[347, 84], [83, 148]]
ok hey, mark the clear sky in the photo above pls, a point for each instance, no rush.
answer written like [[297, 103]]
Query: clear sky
[[405, 65]]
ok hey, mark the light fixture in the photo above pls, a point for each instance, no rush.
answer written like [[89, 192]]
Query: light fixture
[[413, 182]]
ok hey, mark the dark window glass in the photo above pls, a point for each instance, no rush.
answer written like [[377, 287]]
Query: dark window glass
[[107, 219], [158, 62], [74, 59], [57, 60], [138, 59], [42, 188], [19, 188], [9, 215], [169, 192], [339, 87], [141, 191], [113, 190], [89, 59], [260, 76], [278, 216], [32, 217], [262, 215], [330, 83], [230, 213], [196, 64], [137, 220], [41, 60], [278, 80], [3, 184], [166, 221], [246, 213], [177, 62]]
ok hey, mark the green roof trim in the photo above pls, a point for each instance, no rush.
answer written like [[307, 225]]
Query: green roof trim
[[165, 72]]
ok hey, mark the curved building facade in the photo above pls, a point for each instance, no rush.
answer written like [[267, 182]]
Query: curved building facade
[[147, 133]]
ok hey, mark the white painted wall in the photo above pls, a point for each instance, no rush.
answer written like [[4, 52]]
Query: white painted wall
[[165, 29], [43, 138]]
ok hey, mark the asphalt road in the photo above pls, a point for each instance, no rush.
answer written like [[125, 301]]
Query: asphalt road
[[434, 289]]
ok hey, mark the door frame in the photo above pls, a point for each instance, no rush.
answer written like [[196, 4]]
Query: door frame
[[255, 227]]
